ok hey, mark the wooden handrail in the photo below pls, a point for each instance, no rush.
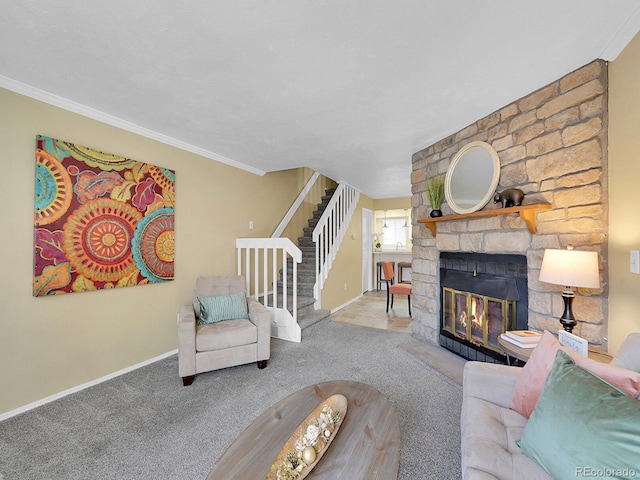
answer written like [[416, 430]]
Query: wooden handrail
[[526, 212]]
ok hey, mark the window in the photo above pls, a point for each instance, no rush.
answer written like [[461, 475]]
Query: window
[[395, 233]]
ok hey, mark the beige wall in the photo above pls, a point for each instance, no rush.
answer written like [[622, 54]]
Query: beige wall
[[392, 203], [300, 219], [51, 344], [347, 267], [624, 177]]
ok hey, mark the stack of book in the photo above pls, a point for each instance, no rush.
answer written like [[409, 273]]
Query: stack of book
[[522, 338]]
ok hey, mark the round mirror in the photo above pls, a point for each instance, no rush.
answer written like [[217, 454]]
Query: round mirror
[[472, 177]]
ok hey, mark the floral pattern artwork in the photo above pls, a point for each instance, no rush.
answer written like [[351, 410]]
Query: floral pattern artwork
[[101, 220]]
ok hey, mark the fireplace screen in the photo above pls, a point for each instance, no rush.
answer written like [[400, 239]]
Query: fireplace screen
[[477, 318]]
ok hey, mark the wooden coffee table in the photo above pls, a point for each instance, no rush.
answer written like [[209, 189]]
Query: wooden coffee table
[[366, 447]]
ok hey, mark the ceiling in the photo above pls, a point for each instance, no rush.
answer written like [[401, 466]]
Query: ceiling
[[349, 88]]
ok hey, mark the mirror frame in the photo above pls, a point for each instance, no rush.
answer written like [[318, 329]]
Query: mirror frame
[[459, 157]]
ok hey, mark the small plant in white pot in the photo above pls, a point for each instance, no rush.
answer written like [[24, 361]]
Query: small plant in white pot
[[435, 193], [376, 241]]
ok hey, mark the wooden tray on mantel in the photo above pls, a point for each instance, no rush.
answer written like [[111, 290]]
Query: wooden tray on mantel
[[337, 403], [527, 213]]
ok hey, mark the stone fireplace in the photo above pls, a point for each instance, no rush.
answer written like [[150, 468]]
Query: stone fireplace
[[552, 144]]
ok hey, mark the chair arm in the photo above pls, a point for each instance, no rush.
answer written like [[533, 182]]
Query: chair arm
[[258, 314], [261, 318], [187, 340], [489, 381]]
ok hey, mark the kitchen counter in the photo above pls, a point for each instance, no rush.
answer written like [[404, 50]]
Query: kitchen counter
[[391, 256]]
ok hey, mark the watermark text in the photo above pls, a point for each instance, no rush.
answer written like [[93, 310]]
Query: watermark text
[[591, 472]]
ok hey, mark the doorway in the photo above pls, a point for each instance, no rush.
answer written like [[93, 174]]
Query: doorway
[[367, 249]]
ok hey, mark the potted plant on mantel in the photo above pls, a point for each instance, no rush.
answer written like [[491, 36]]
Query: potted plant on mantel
[[435, 192]]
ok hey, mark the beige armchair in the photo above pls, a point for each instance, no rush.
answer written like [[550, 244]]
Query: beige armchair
[[205, 347]]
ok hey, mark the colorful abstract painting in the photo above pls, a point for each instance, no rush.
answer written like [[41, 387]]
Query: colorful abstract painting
[[101, 220]]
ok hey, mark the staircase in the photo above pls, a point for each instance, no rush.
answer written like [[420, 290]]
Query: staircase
[[307, 314], [293, 299]]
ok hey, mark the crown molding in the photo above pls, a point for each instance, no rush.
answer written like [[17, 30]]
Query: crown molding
[[71, 106], [622, 37]]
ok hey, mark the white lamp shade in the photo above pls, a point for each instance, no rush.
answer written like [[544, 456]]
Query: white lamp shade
[[570, 268]]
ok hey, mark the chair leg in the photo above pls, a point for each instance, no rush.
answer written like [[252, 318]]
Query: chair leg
[[387, 297], [262, 364], [186, 381], [392, 300], [409, 300]]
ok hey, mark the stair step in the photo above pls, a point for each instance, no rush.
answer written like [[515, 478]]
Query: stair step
[[307, 315], [306, 242], [307, 276], [306, 279], [303, 281], [304, 267], [313, 318], [306, 290], [305, 303]]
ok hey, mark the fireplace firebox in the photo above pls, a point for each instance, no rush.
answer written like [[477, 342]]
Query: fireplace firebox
[[483, 295]]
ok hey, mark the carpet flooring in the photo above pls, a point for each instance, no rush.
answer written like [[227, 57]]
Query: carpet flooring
[[146, 425]]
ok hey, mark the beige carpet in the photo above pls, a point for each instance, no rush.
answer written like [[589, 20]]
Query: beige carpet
[[145, 424], [370, 311]]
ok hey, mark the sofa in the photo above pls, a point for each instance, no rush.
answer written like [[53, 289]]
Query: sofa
[[492, 428]]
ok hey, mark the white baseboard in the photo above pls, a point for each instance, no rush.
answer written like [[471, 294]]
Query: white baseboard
[[346, 304], [51, 398]]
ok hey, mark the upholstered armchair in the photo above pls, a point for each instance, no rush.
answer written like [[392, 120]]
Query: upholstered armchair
[[208, 340]]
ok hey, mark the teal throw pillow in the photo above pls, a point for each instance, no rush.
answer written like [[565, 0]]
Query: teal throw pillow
[[583, 426], [223, 307]]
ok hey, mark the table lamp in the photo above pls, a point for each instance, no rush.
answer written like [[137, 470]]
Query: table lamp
[[570, 268]]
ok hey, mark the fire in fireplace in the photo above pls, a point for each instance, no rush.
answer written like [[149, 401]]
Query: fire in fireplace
[[483, 295]]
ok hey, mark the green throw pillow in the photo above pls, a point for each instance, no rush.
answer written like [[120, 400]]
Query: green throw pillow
[[223, 307], [582, 426]]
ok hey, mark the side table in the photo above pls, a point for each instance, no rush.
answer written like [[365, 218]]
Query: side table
[[514, 352]]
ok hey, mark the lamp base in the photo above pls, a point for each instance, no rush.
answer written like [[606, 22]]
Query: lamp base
[[567, 320]]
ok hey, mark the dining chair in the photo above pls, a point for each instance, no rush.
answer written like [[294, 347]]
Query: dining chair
[[395, 288]]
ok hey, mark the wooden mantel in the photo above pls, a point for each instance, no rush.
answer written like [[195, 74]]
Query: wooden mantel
[[526, 212]]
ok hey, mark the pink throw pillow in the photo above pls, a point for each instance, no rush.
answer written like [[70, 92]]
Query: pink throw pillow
[[531, 380]]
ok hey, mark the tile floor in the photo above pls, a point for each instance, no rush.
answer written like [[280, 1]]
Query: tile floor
[[369, 311]]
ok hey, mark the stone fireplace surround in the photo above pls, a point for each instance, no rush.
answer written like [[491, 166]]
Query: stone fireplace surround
[[552, 144]]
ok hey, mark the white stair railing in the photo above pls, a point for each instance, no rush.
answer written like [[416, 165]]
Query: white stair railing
[[261, 258], [330, 231]]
